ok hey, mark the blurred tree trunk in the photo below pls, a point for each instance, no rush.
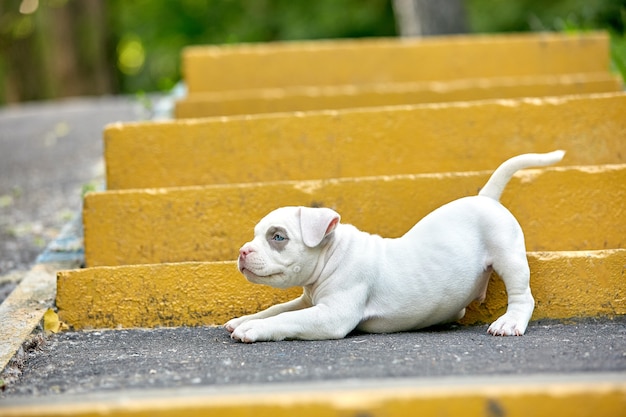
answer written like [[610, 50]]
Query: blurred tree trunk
[[429, 17], [55, 51]]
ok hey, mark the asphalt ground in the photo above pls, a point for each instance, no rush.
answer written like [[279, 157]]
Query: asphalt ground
[[49, 152], [94, 362]]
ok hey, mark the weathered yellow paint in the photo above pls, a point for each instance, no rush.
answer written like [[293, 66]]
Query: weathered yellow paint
[[357, 142], [322, 98], [160, 295], [560, 208], [374, 61], [564, 284], [540, 397]]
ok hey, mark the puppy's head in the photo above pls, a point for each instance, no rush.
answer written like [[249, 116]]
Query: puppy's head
[[286, 246]]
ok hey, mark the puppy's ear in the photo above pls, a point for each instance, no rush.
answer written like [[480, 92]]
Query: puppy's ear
[[316, 224]]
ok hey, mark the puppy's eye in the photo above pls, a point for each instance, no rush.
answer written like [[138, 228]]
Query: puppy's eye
[[278, 237]]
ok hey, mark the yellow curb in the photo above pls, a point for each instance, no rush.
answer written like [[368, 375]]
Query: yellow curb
[[358, 142], [374, 61], [185, 294], [24, 308], [596, 395], [560, 208], [564, 284], [321, 98]]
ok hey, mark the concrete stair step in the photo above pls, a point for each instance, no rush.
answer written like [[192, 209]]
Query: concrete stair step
[[289, 99], [363, 142], [375, 61], [561, 208], [564, 284]]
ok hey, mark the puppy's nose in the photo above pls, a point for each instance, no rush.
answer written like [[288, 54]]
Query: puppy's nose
[[245, 251]]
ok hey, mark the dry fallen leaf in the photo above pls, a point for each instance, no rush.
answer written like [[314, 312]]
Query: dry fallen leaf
[[51, 322]]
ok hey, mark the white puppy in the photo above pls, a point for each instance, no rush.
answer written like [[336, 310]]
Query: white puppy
[[355, 280]]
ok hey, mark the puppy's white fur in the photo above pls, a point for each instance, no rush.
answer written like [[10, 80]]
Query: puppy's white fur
[[352, 279]]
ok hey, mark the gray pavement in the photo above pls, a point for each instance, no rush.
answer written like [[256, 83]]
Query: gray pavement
[[49, 152], [84, 363]]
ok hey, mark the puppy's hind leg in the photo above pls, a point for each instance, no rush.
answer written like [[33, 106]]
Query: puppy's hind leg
[[515, 273]]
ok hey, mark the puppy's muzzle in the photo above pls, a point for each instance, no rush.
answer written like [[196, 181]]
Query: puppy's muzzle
[[244, 252]]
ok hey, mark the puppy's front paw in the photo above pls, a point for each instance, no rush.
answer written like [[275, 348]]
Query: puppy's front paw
[[231, 325], [249, 332], [508, 325]]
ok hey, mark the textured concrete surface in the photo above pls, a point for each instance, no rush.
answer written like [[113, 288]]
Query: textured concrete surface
[[564, 284], [367, 61], [321, 98], [110, 361], [49, 152], [559, 208], [575, 395], [22, 310], [449, 137]]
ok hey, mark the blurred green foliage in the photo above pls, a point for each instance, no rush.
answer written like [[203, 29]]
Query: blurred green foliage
[[158, 30], [144, 38], [152, 33], [559, 15], [542, 15]]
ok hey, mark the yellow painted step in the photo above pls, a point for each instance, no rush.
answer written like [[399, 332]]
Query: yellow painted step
[[354, 143], [321, 98], [562, 208], [577, 395], [374, 61], [564, 284]]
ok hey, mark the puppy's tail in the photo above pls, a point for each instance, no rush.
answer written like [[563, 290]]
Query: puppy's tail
[[501, 176]]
